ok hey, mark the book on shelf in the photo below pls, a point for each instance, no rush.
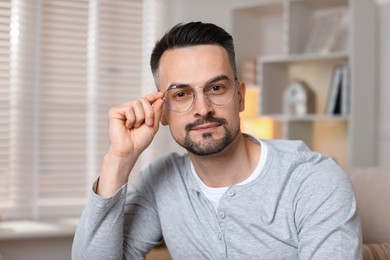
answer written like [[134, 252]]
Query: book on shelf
[[339, 93], [346, 91]]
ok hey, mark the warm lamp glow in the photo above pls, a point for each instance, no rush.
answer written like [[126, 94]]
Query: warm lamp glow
[[258, 127], [251, 103], [251, 122]]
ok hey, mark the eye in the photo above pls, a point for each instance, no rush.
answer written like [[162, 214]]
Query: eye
[[180, 93], [216, 89]]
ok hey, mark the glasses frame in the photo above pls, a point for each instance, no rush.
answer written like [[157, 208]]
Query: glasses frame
[[216, 79]]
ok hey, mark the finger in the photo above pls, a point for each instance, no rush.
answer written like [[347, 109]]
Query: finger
[[118, 113], [148, 102], [152, 97], [135, 112], [157, 108], [145, 113], [139, 108], [130, 117]]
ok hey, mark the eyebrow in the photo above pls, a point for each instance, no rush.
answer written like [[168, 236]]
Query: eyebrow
[[210, 81]]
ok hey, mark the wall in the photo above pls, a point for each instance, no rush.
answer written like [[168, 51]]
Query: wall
[[383, 141], [214, 11]]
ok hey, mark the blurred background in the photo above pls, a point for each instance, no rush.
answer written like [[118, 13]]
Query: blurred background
[[64, 63]]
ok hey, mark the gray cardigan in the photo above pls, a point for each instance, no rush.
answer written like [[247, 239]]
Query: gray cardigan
[[301, 206]]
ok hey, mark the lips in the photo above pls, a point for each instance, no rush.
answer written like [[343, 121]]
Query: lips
[[205, 123], [205, 126]]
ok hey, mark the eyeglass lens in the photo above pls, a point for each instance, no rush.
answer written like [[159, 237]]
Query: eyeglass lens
[[181, 97]]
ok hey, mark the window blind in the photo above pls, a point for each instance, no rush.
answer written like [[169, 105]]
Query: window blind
[[119, 58], [62, 117], [5, 178], [65, 64]]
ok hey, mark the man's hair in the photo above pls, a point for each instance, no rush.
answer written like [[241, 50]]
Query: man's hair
[[192, 34]]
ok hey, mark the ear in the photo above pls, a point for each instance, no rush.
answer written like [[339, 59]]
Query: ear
[[241, 90], [164, 120]]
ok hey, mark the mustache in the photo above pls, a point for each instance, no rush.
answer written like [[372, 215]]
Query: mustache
[[202, 121]]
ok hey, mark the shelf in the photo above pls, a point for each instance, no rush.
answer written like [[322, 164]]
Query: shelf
[[317, 25], [37, 229], [302, 42], [312, 117], [304, 57], [262, 25], [275, 74], [253, 6], [321, 4]]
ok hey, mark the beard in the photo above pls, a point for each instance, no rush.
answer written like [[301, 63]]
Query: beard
[[208, 145]]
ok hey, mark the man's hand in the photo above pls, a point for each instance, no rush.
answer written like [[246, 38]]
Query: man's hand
[[133, 126]]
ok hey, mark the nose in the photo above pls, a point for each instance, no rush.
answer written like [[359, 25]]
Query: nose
[[202, 105]]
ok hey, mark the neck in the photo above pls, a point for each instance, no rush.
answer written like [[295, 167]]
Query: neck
[[231, 166]]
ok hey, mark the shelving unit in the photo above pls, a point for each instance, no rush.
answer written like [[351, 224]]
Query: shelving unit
[[282, 37]]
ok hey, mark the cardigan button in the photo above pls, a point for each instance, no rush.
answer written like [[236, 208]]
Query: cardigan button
[[231, 193]]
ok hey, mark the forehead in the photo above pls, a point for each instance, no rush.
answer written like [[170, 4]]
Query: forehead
[[193, 65]]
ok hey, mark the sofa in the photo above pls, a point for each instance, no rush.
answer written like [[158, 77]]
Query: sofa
[[372, 189]]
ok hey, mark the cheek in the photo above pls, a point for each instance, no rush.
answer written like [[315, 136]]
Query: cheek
[[234, 117], [234, 120], [176, 124]]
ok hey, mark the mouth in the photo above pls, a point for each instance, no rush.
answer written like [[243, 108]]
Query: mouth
[[208, 124], [206, 127]]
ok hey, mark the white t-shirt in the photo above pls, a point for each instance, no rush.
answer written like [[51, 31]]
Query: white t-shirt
[[215, 194]]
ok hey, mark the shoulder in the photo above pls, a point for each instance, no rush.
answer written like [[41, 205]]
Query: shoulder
[[168, 162], [289, 148], [296, 153], [304, 167], [165, 171], [312, 181], [293, 156], [163, 181]]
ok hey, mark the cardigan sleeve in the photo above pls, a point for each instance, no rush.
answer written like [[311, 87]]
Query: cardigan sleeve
[[99, 234], [326, 214], [124, 226]]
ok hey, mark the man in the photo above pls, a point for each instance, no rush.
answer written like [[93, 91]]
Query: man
[[231, 196]]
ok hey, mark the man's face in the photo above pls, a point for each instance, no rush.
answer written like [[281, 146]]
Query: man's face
[[205, 128]]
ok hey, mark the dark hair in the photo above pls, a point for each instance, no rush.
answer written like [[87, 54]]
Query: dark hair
[[191, 34]]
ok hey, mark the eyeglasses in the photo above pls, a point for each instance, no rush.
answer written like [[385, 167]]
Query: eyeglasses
[[219, 91]]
